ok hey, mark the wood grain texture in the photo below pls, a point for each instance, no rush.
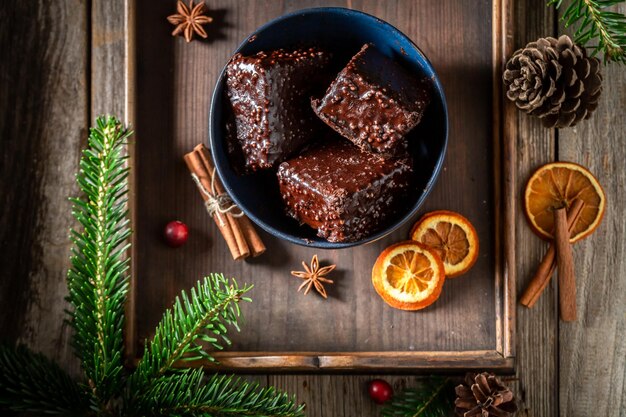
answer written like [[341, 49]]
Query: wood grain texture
[[111, 92], [592, 350], [109, 58], [537, 344], [504, 132], [43, 120], [174, 83], [360, 361], [338, 395]]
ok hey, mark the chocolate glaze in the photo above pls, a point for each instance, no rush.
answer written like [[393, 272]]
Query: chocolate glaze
[[343, 192], [269, 93], [374, 102]]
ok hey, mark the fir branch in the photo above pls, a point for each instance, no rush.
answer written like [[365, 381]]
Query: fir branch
[[432, 399], [97, 280], [595, 22], [98, 284], [186, 394], [30, 382], [200, 317]]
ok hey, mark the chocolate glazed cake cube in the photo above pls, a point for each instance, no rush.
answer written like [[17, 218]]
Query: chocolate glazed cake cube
[[343, 192], [270, 94], [374, 102]]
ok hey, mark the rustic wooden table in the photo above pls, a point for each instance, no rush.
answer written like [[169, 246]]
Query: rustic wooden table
[[60, 67]]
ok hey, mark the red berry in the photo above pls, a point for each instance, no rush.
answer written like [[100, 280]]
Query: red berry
[[380, 391], [176, 233]]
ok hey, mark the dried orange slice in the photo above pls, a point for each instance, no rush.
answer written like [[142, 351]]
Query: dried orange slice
[[408, 276], [557, 185], [452, 237]]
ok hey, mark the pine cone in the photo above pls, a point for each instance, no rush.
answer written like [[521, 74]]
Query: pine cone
[[555, 80], [484, 395]]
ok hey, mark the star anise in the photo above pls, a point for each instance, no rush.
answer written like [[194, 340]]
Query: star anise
[[189, 20], [313, 276]]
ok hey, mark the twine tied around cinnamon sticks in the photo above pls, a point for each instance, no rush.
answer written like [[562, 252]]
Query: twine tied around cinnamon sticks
[[237, 230], [215, 203]]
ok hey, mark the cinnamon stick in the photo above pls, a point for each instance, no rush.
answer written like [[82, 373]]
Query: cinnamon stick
[[565, 260], [237, 230], [548, 264], [195, 165], [540, 280], [252, 238], [205, 156]]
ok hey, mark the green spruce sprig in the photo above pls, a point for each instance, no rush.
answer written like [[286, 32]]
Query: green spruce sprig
[[97, 280], [596, 23], [203, 317], [431, 399], [31, 382], [98, 287], [185, 394]]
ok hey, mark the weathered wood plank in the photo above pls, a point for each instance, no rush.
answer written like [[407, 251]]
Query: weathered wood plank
[[537, 342], [109, 57], [592, 351], [43, 119], [337, 395], [112, 81]]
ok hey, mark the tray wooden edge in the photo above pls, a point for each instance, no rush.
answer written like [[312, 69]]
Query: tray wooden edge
[[130, 332], [396, 362], [502, 359], [504, 134]]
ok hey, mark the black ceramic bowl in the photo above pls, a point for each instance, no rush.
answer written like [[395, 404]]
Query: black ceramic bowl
[[342, 32]]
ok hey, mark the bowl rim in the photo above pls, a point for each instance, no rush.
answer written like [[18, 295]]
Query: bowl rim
[[425, 192]]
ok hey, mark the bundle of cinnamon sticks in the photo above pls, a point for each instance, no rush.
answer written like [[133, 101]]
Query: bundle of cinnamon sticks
[[237, 230], [558, 257]]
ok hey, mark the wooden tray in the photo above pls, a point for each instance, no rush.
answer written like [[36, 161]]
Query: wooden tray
[[470, 326]]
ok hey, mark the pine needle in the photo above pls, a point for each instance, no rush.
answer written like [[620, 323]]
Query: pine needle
[[98, 286], [597, 27], [187, 393], [31, 383], [97, 280], [432, 399]]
